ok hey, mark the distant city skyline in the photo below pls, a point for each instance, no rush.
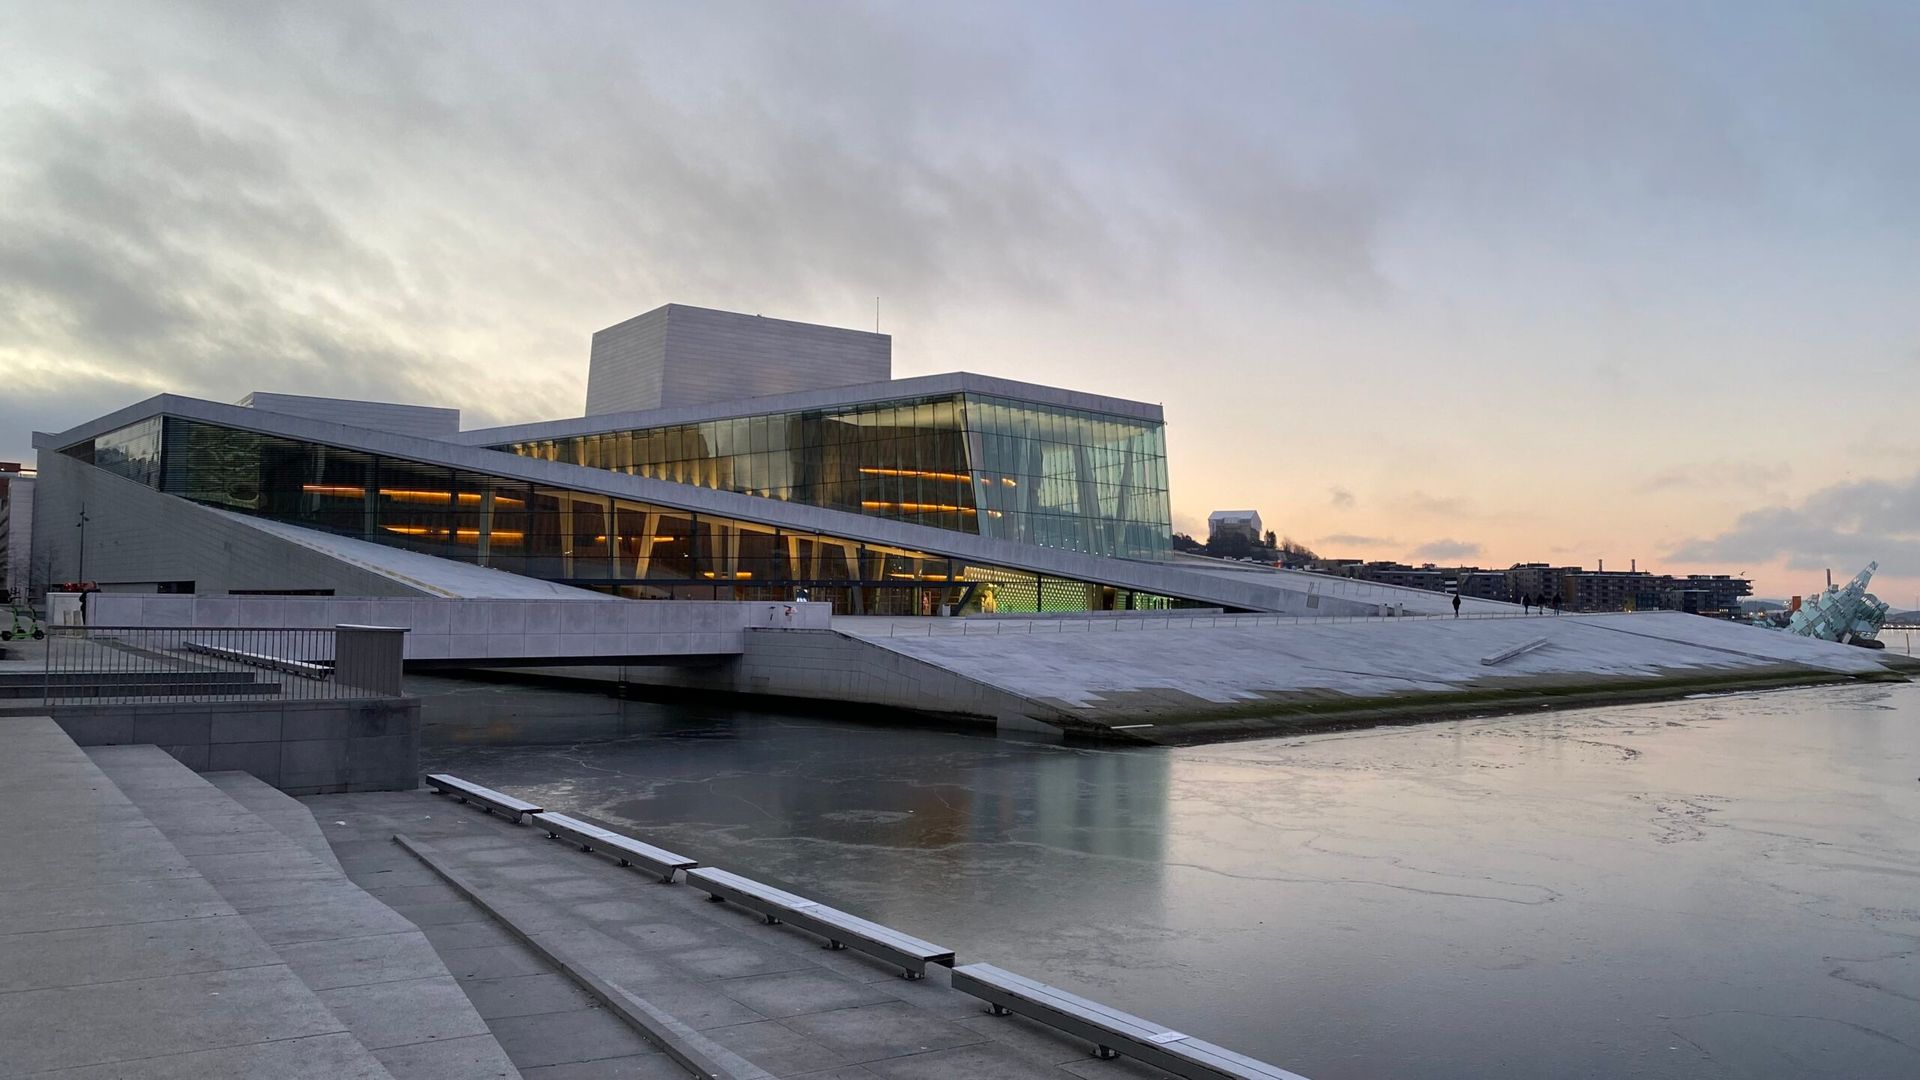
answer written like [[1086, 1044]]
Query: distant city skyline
[[1465, 283]]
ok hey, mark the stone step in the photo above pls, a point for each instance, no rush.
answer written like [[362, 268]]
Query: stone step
[[367, 963], [276, 808], [117, 958]]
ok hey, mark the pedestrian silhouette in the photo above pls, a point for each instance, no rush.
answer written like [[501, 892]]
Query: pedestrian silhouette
[[1526, 601], [1456, 605]]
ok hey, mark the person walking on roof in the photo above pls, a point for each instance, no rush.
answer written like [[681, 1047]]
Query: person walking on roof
[[1456, 605]]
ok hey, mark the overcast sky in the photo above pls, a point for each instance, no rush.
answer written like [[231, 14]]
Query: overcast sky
[[1453, 282]]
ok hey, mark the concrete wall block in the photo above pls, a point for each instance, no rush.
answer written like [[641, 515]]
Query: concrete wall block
[[216, 611], [505, 618], [426, 646], [380, 719], [192, 755], [388, 760], [173, 729], [251, 726], [506, 645], [543, 617], [314, 762], [304, 612], [167, 610], [301, 790], [429, 616], [92, 726], [606, 617], [262, 759], [466, 646], [310, 720], [349, 612]]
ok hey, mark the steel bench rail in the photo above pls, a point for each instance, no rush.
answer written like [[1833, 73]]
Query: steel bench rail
[[839, 928], [625, 849], [489, 799], [1110, 1030]]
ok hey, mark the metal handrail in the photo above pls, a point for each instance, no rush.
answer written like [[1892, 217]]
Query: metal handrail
[[191, 664]]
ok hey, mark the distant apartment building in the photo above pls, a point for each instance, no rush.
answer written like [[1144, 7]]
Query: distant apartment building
[[1430, 578], [1573, 588], [16, 526]]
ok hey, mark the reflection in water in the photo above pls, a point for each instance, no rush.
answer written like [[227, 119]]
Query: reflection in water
[[1712, 888]]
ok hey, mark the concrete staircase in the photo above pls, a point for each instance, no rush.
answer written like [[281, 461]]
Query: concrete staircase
[[118, 958], [156, 924], [264, 854], [276, 808]]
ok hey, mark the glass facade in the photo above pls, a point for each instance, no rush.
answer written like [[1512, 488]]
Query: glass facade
[[997, 467], [580, 538]]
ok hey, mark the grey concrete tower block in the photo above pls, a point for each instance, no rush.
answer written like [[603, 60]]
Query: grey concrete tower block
[[679, 355]]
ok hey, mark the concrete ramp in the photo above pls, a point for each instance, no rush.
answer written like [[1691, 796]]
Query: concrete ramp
[[1172, 679]]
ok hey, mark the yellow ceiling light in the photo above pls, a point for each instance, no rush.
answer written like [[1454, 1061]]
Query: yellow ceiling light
[[960, 478], [916, 508]]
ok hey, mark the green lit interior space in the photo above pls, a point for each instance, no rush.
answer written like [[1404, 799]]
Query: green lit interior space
[[627, 548], [996, 467]]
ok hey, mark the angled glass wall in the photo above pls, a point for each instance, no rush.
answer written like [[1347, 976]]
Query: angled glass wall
[[578, 538], [998, 467]]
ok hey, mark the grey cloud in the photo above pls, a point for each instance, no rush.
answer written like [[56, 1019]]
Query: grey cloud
[[1442, 550], [1720, 474], [1842, 527], [1356, 540], [1420, 502], [1340, 497], [366, 200], [30, 404], [157, 247]]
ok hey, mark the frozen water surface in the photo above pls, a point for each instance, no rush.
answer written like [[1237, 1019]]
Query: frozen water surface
[[1717, 887]]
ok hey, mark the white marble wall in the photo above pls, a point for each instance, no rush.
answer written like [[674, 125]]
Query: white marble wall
[[482, 629]]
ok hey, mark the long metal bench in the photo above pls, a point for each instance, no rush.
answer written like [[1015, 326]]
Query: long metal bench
[[489, 799], [839, 928], [1110, 1030], [626, 849]]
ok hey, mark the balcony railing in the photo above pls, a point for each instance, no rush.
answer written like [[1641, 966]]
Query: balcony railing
[[191, 664]]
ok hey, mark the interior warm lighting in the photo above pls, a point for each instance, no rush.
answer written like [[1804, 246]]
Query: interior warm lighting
[[917, 508], [743, 573], [499, 536], [923, 474], [333, 489], [995, 513], [1009, 481]]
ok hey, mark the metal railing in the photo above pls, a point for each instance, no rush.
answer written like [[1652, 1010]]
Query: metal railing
[[192, 664], [967, 627]]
